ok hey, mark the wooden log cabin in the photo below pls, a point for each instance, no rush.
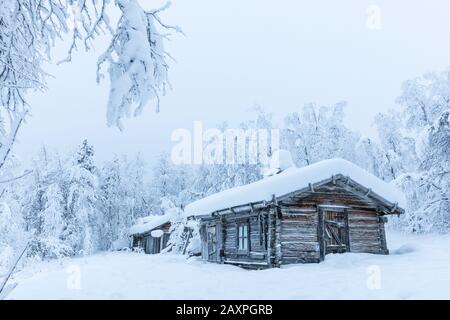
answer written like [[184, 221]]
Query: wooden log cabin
[[151, 234], [298, 215]]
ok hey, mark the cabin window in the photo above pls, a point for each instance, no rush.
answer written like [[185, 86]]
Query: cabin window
[[243, 237]]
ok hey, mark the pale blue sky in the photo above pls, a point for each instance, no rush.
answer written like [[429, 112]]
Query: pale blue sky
[[239, 53]]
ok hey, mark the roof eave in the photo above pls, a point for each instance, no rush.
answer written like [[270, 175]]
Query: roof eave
[[391, 208]]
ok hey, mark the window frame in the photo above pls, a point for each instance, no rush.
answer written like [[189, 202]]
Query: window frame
[[245, 237]]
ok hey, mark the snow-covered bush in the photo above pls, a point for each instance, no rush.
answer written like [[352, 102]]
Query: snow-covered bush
[[181, 230], [194, 246], [185, 237], [121, 244]]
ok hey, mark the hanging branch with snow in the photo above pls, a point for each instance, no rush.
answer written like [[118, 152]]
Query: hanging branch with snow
[[138, 67]]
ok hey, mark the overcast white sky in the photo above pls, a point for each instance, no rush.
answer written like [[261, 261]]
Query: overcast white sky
[[240, 53]]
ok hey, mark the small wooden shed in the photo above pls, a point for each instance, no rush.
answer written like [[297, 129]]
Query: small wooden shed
[[298, 215], [151, 234]]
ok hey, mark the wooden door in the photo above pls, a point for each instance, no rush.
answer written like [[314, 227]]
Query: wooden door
[[156, 245], [335, 232]]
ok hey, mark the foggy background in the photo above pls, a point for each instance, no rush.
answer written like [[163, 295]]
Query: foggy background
[[238, 54]]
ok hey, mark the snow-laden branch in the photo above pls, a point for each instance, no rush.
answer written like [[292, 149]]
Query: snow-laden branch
[[138, 67], [26, 173], [7, 140]]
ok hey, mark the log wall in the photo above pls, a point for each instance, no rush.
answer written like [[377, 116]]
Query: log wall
[[299, 236], [291, 231], [301, 230]]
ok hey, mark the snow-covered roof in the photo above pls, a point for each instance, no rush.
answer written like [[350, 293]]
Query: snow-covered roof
[[149, 223], [291, 180]]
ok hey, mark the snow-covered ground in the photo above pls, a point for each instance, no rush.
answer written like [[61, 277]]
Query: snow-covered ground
[[417, 268]]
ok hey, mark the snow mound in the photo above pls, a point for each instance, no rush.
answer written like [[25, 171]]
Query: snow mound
[[293, 179], [281, 159], [157, 233], [404, 249], [120, 244]]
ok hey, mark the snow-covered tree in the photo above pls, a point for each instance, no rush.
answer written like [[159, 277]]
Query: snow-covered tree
[[42, 209], [72, 206], [397, 147], [85, 157], [318, 133], [29, 30], [12, 235], [83, 217], [169, 181], [123, 197], [417, 140]]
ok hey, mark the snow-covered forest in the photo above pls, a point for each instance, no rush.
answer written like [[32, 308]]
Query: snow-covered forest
[[73, 205]]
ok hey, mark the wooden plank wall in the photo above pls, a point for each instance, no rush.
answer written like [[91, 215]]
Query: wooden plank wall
[[365, 231], [366, 228], [299, 235]]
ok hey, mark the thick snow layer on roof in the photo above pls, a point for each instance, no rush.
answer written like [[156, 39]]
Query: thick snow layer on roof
[[150, 222], [293, 179], [281, 159]]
